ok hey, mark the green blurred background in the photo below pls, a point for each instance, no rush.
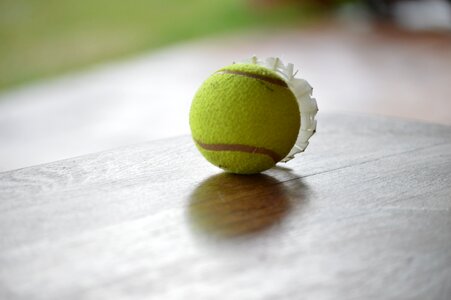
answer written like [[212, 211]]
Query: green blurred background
[[42, 38]]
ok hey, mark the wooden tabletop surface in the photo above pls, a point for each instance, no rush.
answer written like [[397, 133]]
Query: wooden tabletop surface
[[365, 213]]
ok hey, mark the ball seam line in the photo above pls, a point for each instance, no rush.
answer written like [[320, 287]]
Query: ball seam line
[[275, 81], [240, 148]]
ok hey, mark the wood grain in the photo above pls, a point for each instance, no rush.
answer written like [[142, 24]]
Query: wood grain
[[365, 213]]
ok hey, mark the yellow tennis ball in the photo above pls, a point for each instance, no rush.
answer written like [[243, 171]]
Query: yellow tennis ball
[[244, 118]]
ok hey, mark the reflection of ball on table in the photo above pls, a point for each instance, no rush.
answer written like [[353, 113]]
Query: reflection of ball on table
[[226, 205], [244, 119]]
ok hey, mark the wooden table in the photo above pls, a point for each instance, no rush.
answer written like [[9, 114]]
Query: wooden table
[[365, 213]]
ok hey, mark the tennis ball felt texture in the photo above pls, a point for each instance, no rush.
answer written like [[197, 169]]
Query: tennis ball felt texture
[[244, 119]]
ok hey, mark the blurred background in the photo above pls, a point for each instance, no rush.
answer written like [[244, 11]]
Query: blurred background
[[84, 76]]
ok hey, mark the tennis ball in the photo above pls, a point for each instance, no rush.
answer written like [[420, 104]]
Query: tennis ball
[[244, 118]]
